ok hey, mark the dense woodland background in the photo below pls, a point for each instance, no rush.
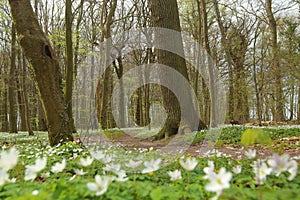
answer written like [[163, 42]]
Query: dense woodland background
[[255, 45]]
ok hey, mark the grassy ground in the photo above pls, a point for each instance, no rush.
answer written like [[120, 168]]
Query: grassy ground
[[68, 184]]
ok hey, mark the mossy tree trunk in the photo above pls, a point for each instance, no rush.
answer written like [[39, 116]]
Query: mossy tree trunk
[[46, 70]]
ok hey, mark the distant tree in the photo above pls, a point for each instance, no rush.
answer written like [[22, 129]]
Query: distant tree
[[12, 85], [275, 64]]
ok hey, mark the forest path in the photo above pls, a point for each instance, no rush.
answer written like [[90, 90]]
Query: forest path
[[129, 141]]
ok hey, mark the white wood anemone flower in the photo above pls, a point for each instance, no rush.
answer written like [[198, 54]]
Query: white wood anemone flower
[[9, 159], [31, 171], [218, 181], [100, 185], [115, 168], [283, 163], [210, 169], [250, 154], [237, 169], [189, 164], [58, 167], [121, 176], [133, 164], [175, 175], [261, 171], [151, 166], [98, 155], [86, 161]]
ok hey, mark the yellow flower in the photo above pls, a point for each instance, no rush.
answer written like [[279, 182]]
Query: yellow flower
[[151, 173]]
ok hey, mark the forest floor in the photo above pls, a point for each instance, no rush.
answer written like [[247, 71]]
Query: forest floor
[[128, 164], [131, 140]]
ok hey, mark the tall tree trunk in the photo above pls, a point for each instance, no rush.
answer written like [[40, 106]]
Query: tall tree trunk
[[69, 62], [25, 97], [292, 100], [212, 90], [4, 111], [238, 50], [76, 63], [275, 64], [46, 70], [298, 111], [21, 100], [106, 117], [256, 84], [165, 15], [120, 71], [226, 48], [12, 85]]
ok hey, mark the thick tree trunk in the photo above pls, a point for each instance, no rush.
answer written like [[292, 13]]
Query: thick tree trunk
[[46, 70], [69, 62], [165, 15], [12, 85]]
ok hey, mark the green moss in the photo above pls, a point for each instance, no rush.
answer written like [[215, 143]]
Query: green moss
[[255, 136]]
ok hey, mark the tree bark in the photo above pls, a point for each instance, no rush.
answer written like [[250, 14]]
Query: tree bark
[[165, 15], [13, 128], [298, 111], [21, 100], [69, 62], [46, 70], [104, 99], [275, 64], [225, 46], [25, 97], [212, 114]]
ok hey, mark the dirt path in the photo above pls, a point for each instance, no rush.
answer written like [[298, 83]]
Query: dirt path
[[129, 141]]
